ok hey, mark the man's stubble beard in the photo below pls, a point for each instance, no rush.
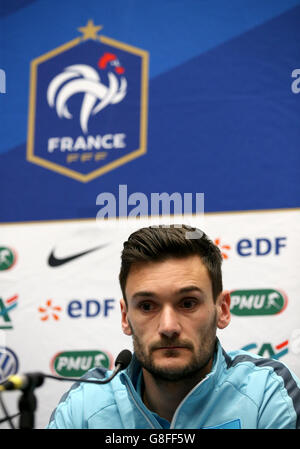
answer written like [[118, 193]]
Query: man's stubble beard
[[197, 364]]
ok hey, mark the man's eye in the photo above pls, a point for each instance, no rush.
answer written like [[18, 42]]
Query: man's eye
[[146, 306], [188, 303]]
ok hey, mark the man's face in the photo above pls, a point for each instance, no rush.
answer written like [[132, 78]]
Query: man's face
[[172, 316]]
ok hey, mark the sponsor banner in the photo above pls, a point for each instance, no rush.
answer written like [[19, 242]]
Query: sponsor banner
[[257, 302], [59, 304], [269, 350], [76, 308], [9, 363], [77, 363], [8, 258], [6, 307]]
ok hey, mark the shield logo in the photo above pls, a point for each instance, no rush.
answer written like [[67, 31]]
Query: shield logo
[[88, 106]]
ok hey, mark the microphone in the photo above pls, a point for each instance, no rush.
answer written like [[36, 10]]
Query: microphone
[[33, 380], [23, 381], [123, 359]]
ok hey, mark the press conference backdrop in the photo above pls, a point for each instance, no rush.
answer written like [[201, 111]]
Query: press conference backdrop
[[105, 105]]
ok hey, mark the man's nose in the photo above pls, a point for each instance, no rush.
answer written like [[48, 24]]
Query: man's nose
[[169, 325]]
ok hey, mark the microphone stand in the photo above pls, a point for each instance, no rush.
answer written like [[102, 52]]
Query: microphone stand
[[9, 418], [27, 407], [28, 403]]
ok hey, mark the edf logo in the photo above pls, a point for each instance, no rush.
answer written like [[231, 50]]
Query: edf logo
[[261, 246], [90, 309]]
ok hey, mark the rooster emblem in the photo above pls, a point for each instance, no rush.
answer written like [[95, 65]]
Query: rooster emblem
[[81, 78]]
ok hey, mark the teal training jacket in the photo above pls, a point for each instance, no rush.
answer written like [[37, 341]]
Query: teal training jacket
[[242, 391]]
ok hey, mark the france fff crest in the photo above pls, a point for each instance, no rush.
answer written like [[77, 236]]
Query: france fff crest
[[88, 106]]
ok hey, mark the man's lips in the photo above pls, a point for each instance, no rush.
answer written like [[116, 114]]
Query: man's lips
[[170, 345], [173, 347]]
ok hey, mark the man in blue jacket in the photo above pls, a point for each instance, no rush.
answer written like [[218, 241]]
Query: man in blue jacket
[[180, 376]]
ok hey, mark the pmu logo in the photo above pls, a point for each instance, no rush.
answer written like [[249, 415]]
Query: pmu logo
[[268, 350], [76, 363], [257, 302], [9, 363], [88, 106], [8, 258]]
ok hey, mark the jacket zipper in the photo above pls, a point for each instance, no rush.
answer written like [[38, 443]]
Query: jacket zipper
[[140, 408], [172, 425]]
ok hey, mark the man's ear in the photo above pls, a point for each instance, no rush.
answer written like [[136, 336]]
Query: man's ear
[[223, 309], [125, 324]]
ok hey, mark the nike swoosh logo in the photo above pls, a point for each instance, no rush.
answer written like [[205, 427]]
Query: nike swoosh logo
[[56, 262]]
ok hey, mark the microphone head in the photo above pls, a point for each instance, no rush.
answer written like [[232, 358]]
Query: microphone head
[[123, 359]]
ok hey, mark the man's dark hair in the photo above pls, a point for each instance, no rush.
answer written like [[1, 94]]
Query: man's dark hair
[[159, 243]]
